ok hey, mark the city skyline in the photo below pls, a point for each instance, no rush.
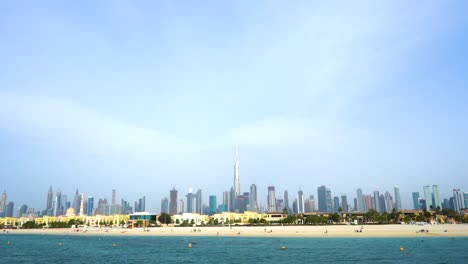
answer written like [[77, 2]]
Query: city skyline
[[327, 203], [145, 96]]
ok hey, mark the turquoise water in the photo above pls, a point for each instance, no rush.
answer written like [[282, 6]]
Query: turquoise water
[[127, 249]]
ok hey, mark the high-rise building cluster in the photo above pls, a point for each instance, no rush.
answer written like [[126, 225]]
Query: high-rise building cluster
[[58, 204], [233, 200]]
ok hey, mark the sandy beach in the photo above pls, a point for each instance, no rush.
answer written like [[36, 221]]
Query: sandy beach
[[446, 230]]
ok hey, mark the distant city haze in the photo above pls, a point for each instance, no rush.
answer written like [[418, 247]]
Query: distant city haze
[[142, 97]]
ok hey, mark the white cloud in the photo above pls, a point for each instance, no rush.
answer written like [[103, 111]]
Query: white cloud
[[72, 127]]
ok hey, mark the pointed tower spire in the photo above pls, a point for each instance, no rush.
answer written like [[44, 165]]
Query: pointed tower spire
[[236, 175], [235, 153]]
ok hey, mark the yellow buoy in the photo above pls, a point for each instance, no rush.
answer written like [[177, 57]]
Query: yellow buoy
[[8, 243], [283, 248], [402, 248], [60, 244], [190, 245], [114, 244]]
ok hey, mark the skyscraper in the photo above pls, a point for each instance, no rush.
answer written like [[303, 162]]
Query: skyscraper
[[181, 206], [416, 200], [236, 176], [397, 200], [428, 197], [190, 198], [286, 201], [377, 205], [300, 201], [3, 204], [89, 206], [344, 203], [199, 202], [76, 203], [271, 199], [360, 201], [226, 200], [9, 209], [437, 203], [50, 197], [212, 204], [389, 202], [232, 200], [173, 202], [465, 197], [322, 198], [328, 199], [164, 205], [253, 206], [113, 196], [336, 204], [58, 207], [458, 200]]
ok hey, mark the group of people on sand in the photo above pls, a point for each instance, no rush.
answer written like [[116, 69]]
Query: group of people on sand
[[422, 231], [359, 230]]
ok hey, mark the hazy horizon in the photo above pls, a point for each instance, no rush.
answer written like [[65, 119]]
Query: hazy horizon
[[143, 96]]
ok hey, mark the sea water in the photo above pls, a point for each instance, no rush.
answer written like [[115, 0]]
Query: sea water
[[139, 249]]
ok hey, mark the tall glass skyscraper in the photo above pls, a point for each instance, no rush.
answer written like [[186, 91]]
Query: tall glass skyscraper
[[164, 205], [271, 199], [465, 197], [213, 205], [437, 203], [458, 200], [416, 200], [300, 202], [173, 202], [199, 202], [344, 203], [90, 206], [428, 197], [253, 206], [397, 199], [236, 176], [50, 197], [322, 198], [286, 201], [360, 200], [190, 198], [377, 205]]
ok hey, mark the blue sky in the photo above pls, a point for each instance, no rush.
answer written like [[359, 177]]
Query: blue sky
[[142, 96]]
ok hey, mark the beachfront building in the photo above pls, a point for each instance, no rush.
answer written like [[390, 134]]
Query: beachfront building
[[191, 218], [275, 217], [8, 221], [94, 221], [237, 218], [140, 219]]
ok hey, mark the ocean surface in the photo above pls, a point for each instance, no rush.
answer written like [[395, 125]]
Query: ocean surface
[[127, 249]]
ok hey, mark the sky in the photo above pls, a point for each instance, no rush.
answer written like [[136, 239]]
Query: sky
[[144, 96]]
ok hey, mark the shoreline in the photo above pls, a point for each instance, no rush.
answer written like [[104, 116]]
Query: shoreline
[[337, 231]]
